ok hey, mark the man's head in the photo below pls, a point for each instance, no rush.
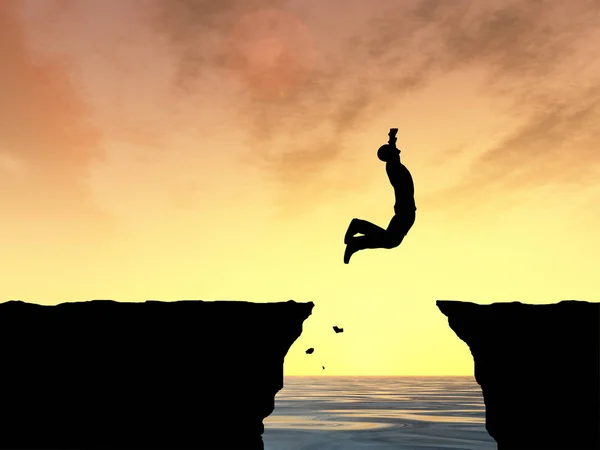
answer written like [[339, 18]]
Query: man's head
[[387, 152]]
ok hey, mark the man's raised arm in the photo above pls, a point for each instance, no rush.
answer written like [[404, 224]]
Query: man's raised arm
[[392, 135]]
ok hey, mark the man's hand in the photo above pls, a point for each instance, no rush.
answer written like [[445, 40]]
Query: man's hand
[[392, 135]]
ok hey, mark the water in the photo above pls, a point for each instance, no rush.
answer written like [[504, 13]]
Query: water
[[401, 413]]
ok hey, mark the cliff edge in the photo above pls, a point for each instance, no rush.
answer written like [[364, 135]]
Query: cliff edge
[[539, 370], [104, 374]]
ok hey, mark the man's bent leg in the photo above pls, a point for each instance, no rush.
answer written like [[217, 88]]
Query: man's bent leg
[[399, 227], [376, 239], [359, 226]]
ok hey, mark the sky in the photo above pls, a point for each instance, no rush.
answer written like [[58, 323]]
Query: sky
[[193, 149]]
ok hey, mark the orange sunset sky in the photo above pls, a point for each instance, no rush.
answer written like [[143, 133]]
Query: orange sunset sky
[[181, 149]]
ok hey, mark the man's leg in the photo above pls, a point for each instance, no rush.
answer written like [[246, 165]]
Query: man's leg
[[377, 237], [374, 237], [359, 226], [398, 227]]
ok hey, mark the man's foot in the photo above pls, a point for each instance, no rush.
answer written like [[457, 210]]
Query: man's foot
[[349, 232], [350, 250]]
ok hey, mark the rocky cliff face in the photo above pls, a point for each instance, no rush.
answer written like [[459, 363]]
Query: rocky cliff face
[[539, 371], [104, 374]]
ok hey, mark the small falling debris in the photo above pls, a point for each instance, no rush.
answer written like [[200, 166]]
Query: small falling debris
[[323, 367], [310, 351], [338, 330]]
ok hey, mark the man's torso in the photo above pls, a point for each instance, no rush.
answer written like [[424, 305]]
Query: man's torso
[[404, 188]]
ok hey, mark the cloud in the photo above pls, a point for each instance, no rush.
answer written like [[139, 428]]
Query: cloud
[[556, 145], [362, 71], [325, 98], [190, 26], [46, 142], [528, 50]]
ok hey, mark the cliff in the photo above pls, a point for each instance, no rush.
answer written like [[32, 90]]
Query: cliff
[[104, 374], [539, 371]]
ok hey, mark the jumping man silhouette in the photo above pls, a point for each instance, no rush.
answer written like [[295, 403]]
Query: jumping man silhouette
[[405, 208]]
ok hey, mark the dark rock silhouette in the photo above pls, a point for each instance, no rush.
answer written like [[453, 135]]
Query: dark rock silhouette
[[310, 351], [323, 367], [371, 235], [104, 374], [539, 370], [338, 330]]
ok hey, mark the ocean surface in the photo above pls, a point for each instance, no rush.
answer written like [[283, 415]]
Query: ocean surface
[[401, 413]]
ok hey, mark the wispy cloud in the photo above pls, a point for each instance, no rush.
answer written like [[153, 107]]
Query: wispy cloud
[[46, 141], [395, 49], [529, 51]]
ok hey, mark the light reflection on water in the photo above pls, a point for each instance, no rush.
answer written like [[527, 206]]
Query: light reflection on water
[[379, 413]]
